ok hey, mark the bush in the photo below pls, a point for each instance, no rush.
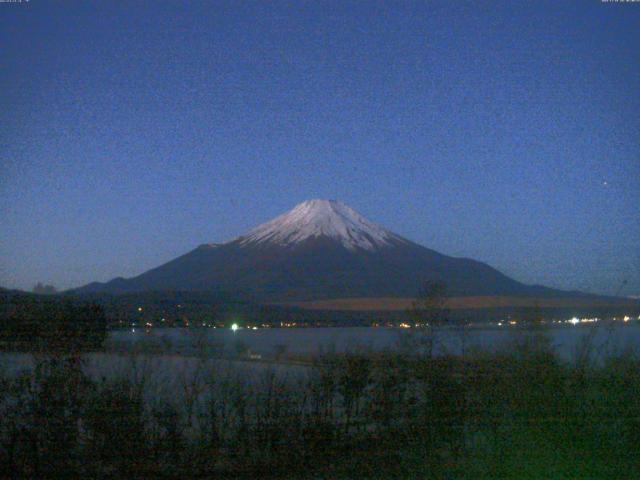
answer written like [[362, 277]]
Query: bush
[[519, 413], [31, 323]]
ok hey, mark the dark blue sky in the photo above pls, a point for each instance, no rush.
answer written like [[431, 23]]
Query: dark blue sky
[[134, 131]]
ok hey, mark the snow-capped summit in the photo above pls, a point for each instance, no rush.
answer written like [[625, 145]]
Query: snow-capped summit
[[319, 250], [321, 218]]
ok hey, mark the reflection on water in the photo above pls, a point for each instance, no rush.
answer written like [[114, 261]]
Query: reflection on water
[[604, 338]]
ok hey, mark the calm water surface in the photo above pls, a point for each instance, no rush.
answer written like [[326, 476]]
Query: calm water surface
[[606, 338]]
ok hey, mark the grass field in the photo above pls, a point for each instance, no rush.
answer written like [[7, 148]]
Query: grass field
[[473, 302]]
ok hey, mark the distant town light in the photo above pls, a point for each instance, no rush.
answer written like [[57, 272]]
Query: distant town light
[[234, 327], [574, 321]]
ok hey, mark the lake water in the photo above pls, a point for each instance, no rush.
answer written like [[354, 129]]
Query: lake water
[[606, 339], [165, 375]]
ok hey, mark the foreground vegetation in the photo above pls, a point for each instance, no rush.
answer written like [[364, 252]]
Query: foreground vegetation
[[519, 413]]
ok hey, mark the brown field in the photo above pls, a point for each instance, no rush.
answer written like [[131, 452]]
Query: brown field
[[390, 304]]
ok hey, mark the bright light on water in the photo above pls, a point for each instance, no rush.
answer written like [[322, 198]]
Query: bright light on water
[[234, 327]]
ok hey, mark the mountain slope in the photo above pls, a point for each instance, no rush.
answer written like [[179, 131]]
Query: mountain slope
[[319, 250]]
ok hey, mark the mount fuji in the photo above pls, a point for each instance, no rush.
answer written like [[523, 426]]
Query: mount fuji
[[320, 250]]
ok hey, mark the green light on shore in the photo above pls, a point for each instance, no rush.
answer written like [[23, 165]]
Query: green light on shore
[[234, 327]]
